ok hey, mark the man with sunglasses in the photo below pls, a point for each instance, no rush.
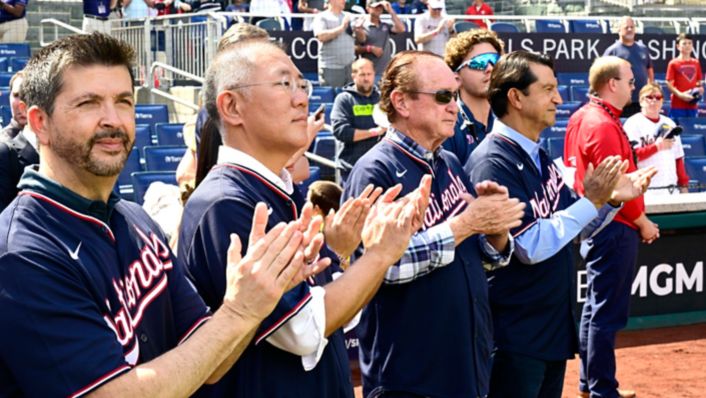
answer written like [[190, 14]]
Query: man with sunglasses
[[637, 55], [472, 54], [427, 331], [298, 349], [650, 135], [534, 292], [594, 132]]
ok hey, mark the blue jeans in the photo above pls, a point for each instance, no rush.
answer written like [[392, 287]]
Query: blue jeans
[[610, 267]]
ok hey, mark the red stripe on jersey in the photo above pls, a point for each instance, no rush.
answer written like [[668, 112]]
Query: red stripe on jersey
[[524, 229], [102, 380], [267, 183], [284, 319], [70, 211], [193, 328], [411, 155]]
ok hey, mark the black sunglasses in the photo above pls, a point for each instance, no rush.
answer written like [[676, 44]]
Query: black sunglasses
[[442, 97]]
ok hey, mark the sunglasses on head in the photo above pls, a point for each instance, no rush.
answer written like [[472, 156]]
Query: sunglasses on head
[[653, 97], [442, 97], [480, 62]]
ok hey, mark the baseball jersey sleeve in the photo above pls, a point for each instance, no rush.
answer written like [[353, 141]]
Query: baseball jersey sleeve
[[60, 344], [211, 243], [537, 238], [428, 249]]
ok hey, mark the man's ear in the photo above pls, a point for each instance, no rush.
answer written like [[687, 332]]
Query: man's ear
[[38, 121], [229, 107], [398, 100], [514, 98]]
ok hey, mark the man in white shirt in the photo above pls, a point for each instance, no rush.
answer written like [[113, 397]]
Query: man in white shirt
[[432, 30]]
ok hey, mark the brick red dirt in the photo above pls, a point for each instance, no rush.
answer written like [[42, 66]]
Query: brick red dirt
[[656, 363]]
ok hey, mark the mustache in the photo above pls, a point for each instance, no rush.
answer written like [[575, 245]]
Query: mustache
[[112, 134]]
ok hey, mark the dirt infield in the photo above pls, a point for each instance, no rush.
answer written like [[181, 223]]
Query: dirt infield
[[656, 363]]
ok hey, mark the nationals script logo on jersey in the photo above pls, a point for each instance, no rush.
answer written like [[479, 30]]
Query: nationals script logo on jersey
[[448, 204], [543, 206], [144, 281]]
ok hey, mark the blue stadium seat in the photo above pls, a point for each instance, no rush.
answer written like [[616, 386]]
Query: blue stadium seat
[[655, 30], [554, 132], [565, 110], [325, 146], [693, 125], [314, 175], [462, 26], [151, 114], [564, 92], [585, 26], [143, 136], [323, 94], [5, 79], [17, 64], [693, 145], [572, 78], [5, 96], [555, 147], [505, 27], [269, 24], [561, 123], [163, 158], [169, 133], [4, 64], [313, 77], [15, 50], [579, 93], [696, 168], [549, 26], [5, 115], [141, 180], [124, 183]]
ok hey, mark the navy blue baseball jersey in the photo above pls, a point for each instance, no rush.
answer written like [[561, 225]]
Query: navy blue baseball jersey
[[468, 133], [535, 299], [224, 203], [431, 336], [87, 290], [96, 8]]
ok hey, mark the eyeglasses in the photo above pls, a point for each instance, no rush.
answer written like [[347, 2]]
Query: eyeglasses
[[630, 82], [480, 62], [442, 97], [288, 82], [653, 97]]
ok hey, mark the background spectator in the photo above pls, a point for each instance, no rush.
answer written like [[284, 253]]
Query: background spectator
[[646, 131], [639, 58], [13, 24], [133, 9], [479, 7], [333, 29], [352, 117], [432, 30], [311, 7], [376, 45], [684, 80], [96, 15], [17, 107]]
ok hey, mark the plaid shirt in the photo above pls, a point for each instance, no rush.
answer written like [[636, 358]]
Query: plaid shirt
[[434, 247]]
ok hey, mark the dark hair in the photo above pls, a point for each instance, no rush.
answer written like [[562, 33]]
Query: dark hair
[[684, 36], [326, 195], [513, 71], [400, 75], [44, 73], [207, 155]]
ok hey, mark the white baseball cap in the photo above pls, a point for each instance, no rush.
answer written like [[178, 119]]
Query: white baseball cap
[[437, 4]]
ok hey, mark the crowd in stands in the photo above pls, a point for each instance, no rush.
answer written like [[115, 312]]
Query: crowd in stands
[[445, 183]]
